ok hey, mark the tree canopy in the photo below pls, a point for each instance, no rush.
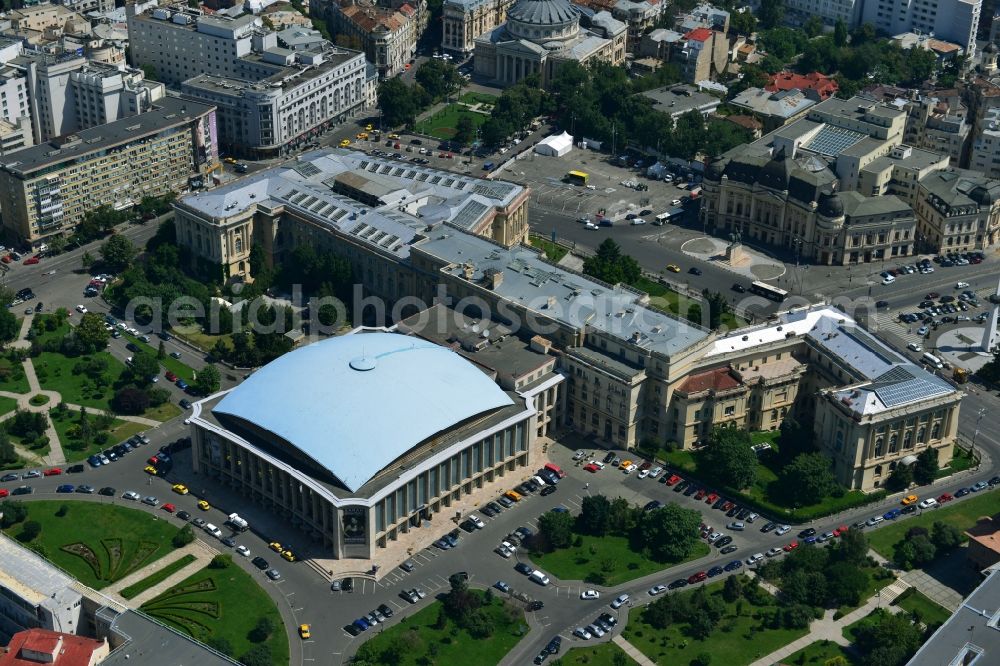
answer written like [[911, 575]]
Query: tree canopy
[[807, 479], [611, 265], [729, 457], [669, 533]]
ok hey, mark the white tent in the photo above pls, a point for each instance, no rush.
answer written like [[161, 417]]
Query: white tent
[[556, 145]]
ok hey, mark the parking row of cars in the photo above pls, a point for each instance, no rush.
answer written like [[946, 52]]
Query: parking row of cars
[[117, 451]]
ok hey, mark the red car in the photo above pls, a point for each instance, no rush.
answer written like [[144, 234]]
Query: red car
[[170, 376], [673, 480], [4, 492], [7, 259], [792, 546], [154, 461], [645, 465], [727, 506], [945, 497], [54, 471], [592, 468], [840, 531], [169, 508], [712, 498], [31, 261], [697, 578], [700, 494]]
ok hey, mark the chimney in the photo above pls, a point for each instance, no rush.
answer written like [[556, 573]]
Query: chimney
[[494, 279], [468, 270], [540, 344]]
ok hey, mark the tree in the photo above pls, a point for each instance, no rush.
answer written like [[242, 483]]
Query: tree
[[900, 479], [611, 265], [595, 515], [130, 400], [8, 453], [183, 537], [144, 367], [732, 589], [890, 641], [915, 551], [557, 528], [926, 468], [401, 103], [840, 33], [208, 380], [258, 655], [718, 306], [701, 659], [439, 78], [813, 26], [846, 584], [743, 23], [30, 530], [118, 253], [945, 536], [262, 630], [8, 326], [851, 547], [13, 513], [729, 458], [221, 561], [808, 479], [770, 13], [91, 331], [669, 533], [465, 130]]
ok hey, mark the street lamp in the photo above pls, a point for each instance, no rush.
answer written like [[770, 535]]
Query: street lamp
[[979, 418]]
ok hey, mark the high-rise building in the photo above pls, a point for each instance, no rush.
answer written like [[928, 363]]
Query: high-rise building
[[952, 20]]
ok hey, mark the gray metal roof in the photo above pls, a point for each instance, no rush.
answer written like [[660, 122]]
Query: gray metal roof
[[152, 644], [971, 636], [543, 12], [32, 578]]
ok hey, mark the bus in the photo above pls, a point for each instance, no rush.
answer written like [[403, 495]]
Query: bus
[[577, 178], [767, 291], [665, 218]]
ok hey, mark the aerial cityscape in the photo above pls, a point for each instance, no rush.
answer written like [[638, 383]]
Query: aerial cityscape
[[500, 332]]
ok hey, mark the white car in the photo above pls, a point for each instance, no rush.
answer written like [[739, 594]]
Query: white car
[[81, 309], [657, 589], [928, 503], [655, 472], [675, 202], [509, 546], [913, 346], [591, 226], [754, 559], [636, 221], [784, 529], [595, 630], [643, 473], [597, 463], [477, 521], [580, 632], [213, 530], [130, 495], [714, 536], [590, 594], [888, 279], [961, 285], [579, 455], [774, 552], [738, 526], [503, 552], [874, 520], [243, 550], [619, 601]]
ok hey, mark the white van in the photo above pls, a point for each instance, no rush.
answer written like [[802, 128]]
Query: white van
[[932, 360], [539, 577]]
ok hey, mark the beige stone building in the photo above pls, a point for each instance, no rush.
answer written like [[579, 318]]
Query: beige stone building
[[387, 36], [47, 188], [462, 21]]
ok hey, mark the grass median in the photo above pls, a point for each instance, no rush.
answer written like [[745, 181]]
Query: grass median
[[932, 614], [962, 514], [155, 579]]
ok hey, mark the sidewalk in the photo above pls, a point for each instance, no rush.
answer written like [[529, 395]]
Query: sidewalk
[[632, 651], [833, 630]]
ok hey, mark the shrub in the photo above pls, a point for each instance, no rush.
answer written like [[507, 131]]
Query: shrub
[[63, 510], [221, 561], [30, 531], [183, 537]]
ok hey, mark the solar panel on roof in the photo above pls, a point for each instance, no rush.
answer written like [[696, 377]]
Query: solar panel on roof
[[911, 391], [832, 140], [306, 169]]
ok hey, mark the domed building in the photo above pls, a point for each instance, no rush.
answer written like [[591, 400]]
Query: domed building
[[539, 35]]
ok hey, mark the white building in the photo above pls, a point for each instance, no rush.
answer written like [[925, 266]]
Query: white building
[[985, 154], [34, 593], [951, 20], [831, 11], [269, 98], [462, 21]]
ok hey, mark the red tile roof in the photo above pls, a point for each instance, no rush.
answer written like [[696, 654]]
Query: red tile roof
[[822, 84], [719, 379], [26, 648], [699, 34]]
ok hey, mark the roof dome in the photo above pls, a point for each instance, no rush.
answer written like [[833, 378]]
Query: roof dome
[[714, 170], [830, 205], [355, 403], [981, 195], [542, 12], [991, 48]]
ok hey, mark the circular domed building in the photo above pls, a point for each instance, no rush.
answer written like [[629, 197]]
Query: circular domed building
[[541, 34]]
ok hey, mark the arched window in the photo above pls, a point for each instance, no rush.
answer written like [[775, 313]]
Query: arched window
[[935, 431], [907, 440], [878, 470], [239, 245], [878, 447], [892, 467], [920, 434], [893, 441]]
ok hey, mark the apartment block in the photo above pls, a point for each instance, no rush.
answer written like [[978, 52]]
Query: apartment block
[[958, 210], [388, 36], [16, 135], [640, 16], [938, 123], [270, 98], [34, 594], [830, 11], [462, 21], [985, 152], [47, 188], [951, 20]]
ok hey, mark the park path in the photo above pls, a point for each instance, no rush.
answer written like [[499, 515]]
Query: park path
[[833, 630], [122, 417], [202, 553], [632, 651]]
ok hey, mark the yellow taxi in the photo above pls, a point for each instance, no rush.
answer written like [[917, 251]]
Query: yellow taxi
[[344, 143], [393, 136], [368, 128], [910, 499], [512, 496], [304, 631], [674, 268], [229, 160], [275, 546], [180, 489], [288, 555], [362, 135], [150, 470], [203, 505]]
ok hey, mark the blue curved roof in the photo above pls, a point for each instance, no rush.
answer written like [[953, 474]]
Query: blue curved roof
[[355, 403]]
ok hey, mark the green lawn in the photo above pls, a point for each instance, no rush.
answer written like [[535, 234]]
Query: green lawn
[[74, 448], [443, 123], [169, 363], [56, 334], [55, 372], [850, 632], [221, 603], [552, 251], [452, 645], [741, 637], [200, 339], [961, 460], [665, 298], [12, 377], [158, 577], [105, 542], [931, 613], [818, 653], [472, 97], [7, 405], [603, 654], [164, 412], [610, 555], [962, 514]]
